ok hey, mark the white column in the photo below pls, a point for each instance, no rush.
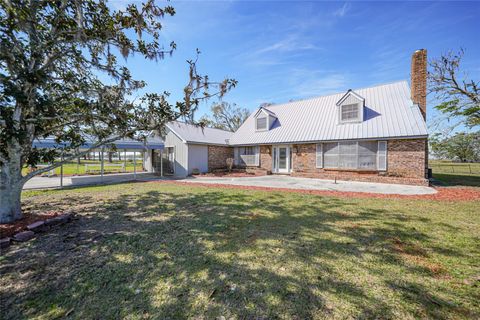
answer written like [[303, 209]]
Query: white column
[[101, 164], [161, 163], [135, 165], [125, 160], [61, 171]]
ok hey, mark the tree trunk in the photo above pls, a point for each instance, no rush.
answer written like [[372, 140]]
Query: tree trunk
[[10, 205], [11, 185]]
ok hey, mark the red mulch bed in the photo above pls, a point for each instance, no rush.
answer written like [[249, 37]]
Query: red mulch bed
[[9, 229], [227, 174], [443, 193]]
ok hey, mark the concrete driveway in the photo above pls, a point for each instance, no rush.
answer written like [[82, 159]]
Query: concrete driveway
[[279, 181], [72, 181]]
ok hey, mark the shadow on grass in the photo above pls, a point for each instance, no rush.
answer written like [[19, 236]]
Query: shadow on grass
[[460, 180], [212, 253]]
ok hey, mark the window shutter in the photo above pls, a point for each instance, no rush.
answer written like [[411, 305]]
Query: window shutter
[[382, 156], [319, 155], [236, 156], [257, 155]]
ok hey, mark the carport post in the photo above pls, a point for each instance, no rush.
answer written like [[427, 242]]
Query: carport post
[[135, 165], [101, 165], [124, 160], [161, 163], [61, 171]]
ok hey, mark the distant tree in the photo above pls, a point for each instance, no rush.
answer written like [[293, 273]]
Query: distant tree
[[110, 156], [461, 146], [226, 116], [459, 96], [55, 57], [267, 104]]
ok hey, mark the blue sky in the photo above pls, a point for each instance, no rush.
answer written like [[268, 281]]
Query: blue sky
[[284, 50]]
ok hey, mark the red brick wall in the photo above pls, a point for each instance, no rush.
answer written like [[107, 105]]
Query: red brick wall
[[406, 161], [266, 158], [406, 158], [217, 157]]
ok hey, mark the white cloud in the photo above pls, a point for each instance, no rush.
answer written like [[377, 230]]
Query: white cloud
[[279, 52], [317, 84], [291, 43], [342, 11]]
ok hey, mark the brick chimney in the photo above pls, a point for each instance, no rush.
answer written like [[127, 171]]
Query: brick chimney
[[418, 83]]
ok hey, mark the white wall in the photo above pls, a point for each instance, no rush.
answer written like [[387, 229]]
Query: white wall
[[181, 153], [197, 158], [147, 160]]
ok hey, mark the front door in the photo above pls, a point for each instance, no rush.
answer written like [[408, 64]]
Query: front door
[[281, 159]]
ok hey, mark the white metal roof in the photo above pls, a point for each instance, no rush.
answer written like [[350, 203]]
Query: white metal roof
[[195, 134], [125, 143], [266, 111], [389, 113]]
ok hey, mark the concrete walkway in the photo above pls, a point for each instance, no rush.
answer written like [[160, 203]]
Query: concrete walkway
[[72, 181], [271, 181], [278, 181]]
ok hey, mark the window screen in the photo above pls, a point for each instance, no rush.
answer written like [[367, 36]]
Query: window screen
[[249, 151], [367, 155], [330, 155], [348, 155], [351, 155], [261, 123], [350, 112], [247, 156]]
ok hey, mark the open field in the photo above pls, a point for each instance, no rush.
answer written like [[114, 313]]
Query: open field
[[456, 173], [159, 250], [94, 167]]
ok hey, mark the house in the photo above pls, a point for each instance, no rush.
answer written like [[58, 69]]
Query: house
[[189, 149], [376, 134]]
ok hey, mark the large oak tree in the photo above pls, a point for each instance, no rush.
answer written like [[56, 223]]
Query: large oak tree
[[54, 59]]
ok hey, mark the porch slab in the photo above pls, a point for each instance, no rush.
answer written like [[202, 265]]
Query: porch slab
[[73, 181], [288, 182]]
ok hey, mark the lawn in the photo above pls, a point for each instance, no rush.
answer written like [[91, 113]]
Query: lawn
[[94, 167], [455, 173], [160, 250]]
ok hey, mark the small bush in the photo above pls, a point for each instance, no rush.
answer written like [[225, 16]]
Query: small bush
[[229, 164]]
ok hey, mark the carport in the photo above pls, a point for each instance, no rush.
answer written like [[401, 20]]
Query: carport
[[128, 146]]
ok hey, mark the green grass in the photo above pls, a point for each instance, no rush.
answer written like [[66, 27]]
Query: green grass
[[72, 168], [162, 251], [456, 174]]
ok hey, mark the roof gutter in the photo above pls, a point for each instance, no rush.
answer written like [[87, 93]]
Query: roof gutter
[[332, 140]]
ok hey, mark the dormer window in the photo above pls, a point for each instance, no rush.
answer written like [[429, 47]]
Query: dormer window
[[350, 107], [264, 119]]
